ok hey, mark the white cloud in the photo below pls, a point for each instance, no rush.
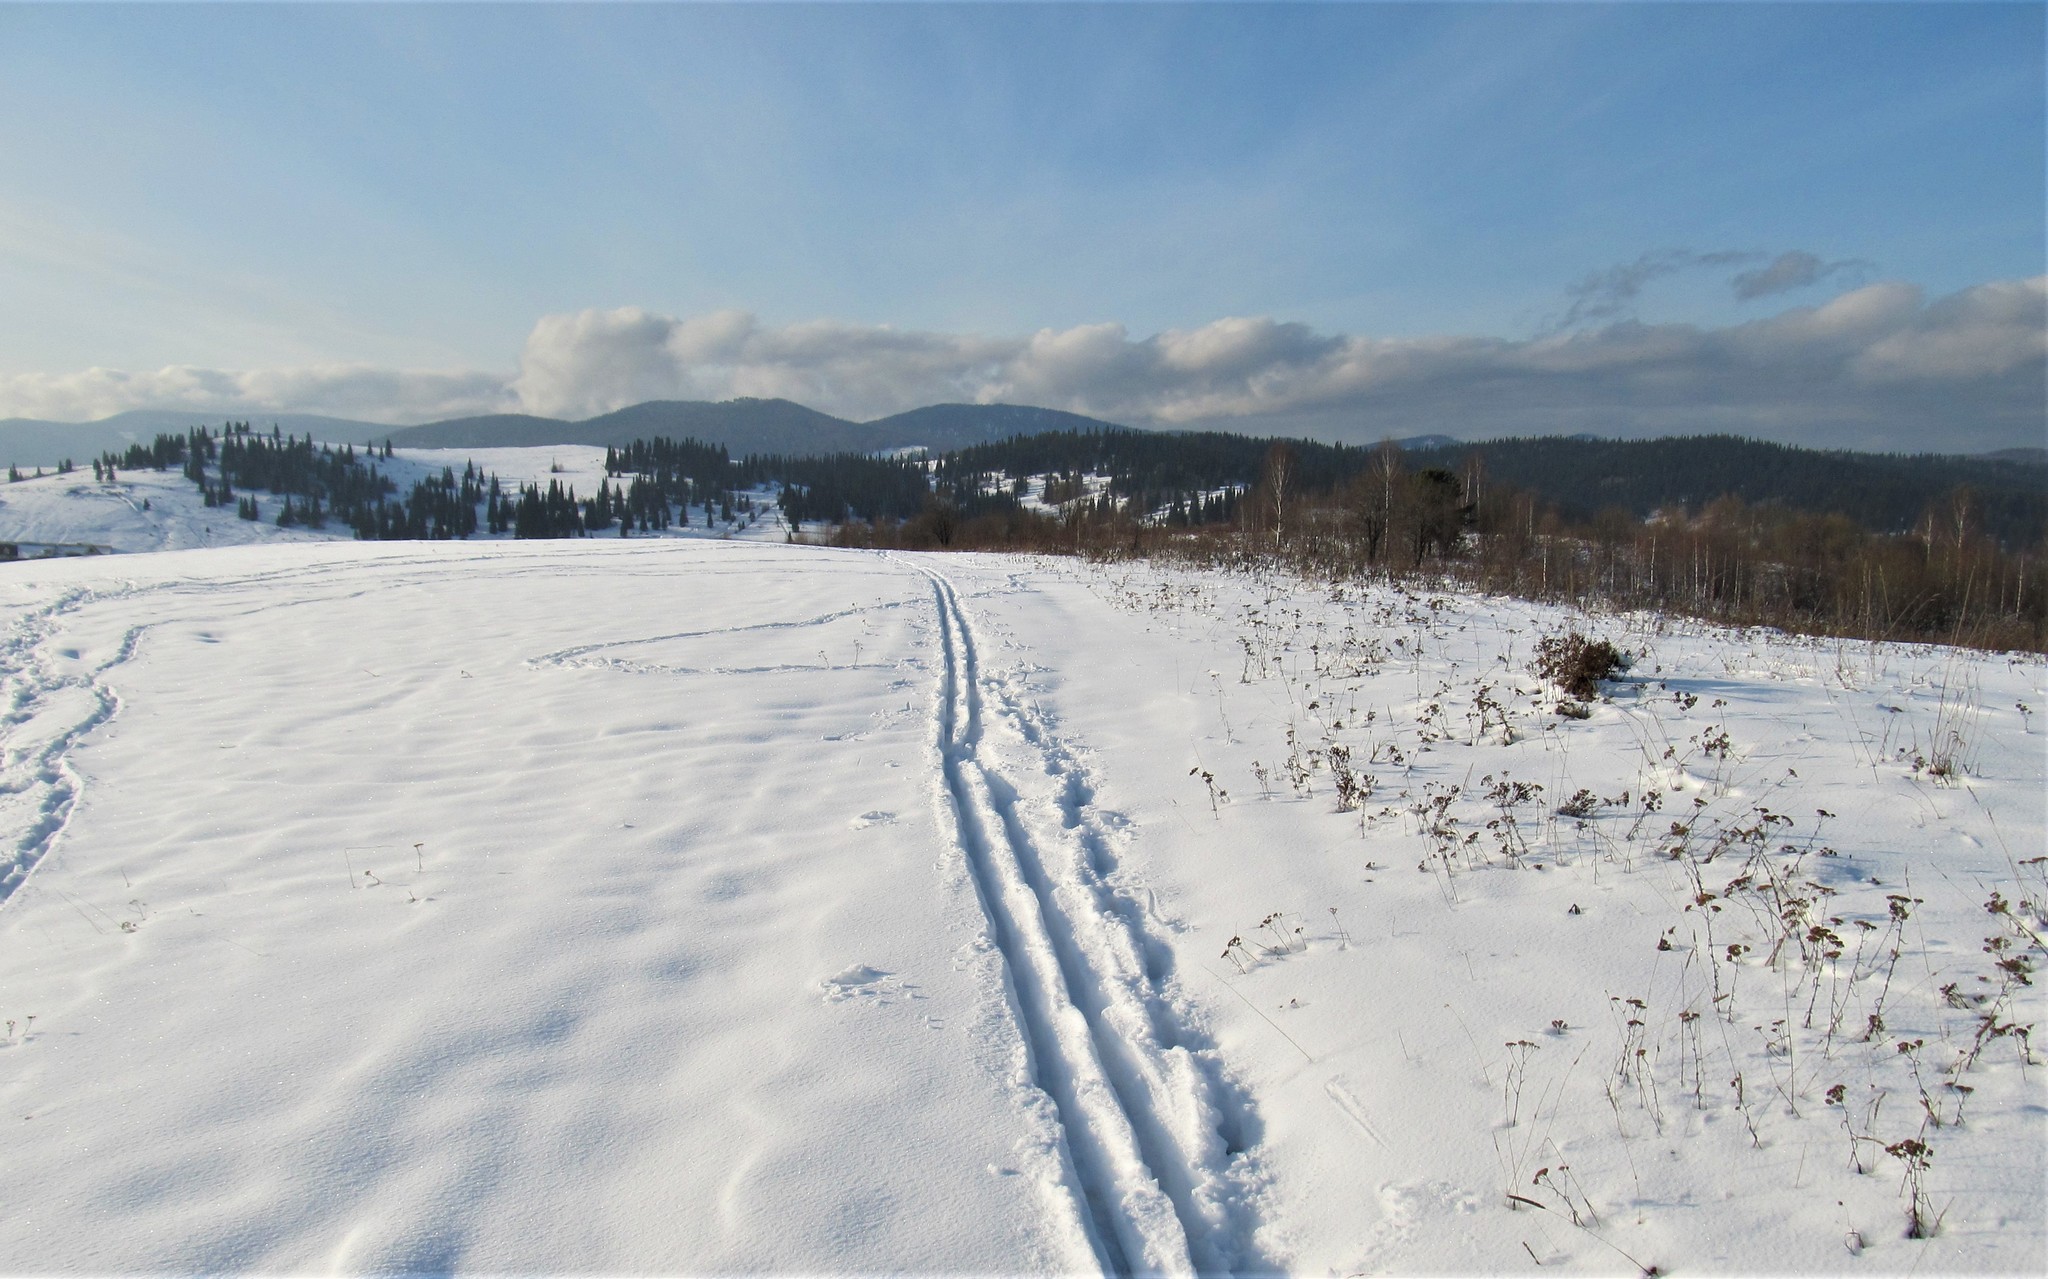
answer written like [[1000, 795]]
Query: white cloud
[[1992, 331], [1878, 367], [343, 390], [594, 361]]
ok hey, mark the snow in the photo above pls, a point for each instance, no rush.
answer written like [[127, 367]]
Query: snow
[[581, 1024], [654, 905], [140, 511]]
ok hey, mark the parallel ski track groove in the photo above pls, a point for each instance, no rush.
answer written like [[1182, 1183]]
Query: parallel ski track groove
[[1136, 1192]]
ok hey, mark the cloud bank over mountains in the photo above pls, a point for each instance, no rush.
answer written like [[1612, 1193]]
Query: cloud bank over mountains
[[1879, 367]]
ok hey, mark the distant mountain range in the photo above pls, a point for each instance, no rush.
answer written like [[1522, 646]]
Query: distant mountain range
[[743, 426], [754, 426]]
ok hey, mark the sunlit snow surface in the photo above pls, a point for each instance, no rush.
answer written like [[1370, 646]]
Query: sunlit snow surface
[[514, 908], [655, 906]]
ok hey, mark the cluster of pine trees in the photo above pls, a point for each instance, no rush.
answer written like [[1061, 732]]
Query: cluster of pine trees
[[849, 486], [316, 483], [554, 513], [14, 475], [671, 476], [679, 474], [160, 454], [668, 476], [672, 465], [639, 506], [439, 506]]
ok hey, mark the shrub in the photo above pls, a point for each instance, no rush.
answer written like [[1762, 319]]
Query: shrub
[[1576, 664]]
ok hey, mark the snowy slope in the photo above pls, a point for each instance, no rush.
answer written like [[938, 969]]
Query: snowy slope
[[655, 906], [140, 511]]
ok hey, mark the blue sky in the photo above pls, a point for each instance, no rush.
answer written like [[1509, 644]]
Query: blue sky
[[407, 188]]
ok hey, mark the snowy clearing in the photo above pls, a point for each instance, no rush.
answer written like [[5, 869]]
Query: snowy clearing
[[693, 905]]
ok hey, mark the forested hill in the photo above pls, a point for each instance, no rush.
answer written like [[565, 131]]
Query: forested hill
[[1885, 492], [1581, 477], [942, 427]]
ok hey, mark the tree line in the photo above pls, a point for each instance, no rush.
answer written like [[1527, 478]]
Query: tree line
[[1944, 577], [1581, 477]]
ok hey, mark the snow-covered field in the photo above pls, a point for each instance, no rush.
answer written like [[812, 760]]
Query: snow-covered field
[[692, 905]]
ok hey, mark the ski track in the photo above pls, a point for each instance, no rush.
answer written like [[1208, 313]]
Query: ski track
[[581, 654], [1151, 1126]]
